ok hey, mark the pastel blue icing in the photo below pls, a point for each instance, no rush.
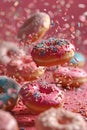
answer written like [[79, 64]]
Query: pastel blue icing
[[4, 97], [7, 83], [78, 57], [3, 81]]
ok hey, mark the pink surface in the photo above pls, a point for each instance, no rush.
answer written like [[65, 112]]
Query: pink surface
[[75, 100], [69, 20]]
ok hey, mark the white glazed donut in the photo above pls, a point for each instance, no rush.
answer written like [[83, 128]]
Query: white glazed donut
[[7, 47], [7, 121], [35, 27], [59, 119]]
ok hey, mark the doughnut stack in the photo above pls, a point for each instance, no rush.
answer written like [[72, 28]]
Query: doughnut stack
[[23, 74]]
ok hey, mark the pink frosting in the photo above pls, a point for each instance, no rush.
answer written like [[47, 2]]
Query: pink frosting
[[52, 47], [22, 67], [41, 93], [74, 72]]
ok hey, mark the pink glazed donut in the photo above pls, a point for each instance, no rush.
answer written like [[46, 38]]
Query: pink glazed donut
[[59, 119], [24, 69], [70, 76], [38, 96], [52, 52]]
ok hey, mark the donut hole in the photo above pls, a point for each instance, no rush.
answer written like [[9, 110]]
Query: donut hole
[[64, 120], [10, 102], [1, 90], [46, 88], [11, 53]]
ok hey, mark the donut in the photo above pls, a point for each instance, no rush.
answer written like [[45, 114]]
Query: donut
[[52, 52], [9, 90], [35, 27], [78, 60], [8, 51], [70, 76], [7, 121], [39, 96], [59, 119], [24, 69]]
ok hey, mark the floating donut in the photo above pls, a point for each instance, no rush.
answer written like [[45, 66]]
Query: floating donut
[[7, 121], [53, 52], [78, 60], [59, 119], [35, 27], [9, 90], [70, 76], [24, 69], [9, 51], [40, 96]]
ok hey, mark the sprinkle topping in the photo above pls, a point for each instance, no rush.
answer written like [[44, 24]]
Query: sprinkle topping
[[52, 47], [42, 93]]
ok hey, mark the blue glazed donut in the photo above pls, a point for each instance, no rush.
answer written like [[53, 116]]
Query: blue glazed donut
[[9, 90], [78, 59]]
